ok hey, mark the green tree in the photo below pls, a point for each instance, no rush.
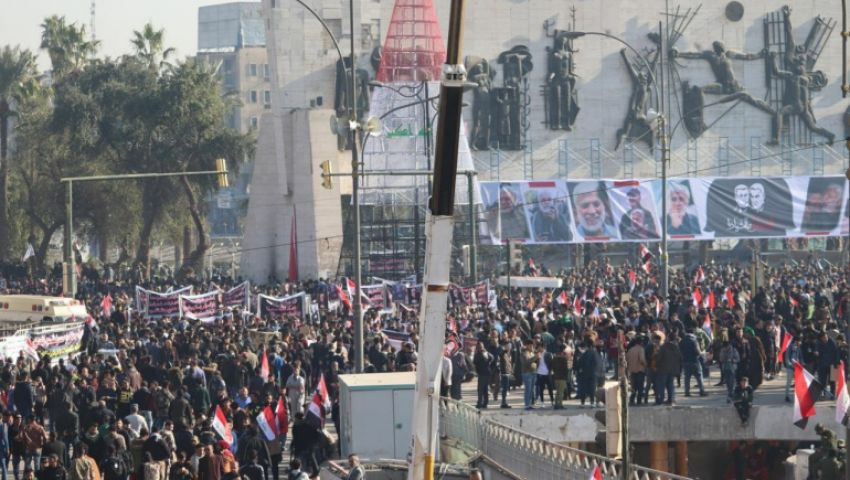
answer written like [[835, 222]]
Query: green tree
[[17, 80], [149, 46], [67, 45]]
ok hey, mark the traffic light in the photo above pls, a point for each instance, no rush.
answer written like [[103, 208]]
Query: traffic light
[[221, 168], [327, 182]]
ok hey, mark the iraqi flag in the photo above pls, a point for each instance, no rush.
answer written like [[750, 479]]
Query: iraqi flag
[[319, 405], [343, 297], [578, 303], [786, 341], [712, 302], [632, 280], [842, 398], [599, 293], [221, 427], [699, 275], [106, 305], [562, 298], [645, 258], [806, 391], [730, 297], [267, 421], [264, 366], [697, 297], [282, 419], [532, 267], [596, 474], [706, 326]]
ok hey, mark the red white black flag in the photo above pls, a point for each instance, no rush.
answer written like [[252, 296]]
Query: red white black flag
[[842, 398], [806, 391]]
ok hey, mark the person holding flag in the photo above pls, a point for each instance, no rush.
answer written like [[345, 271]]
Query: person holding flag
[[789, 354]]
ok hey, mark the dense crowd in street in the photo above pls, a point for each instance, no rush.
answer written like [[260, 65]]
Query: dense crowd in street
[[141, 397]]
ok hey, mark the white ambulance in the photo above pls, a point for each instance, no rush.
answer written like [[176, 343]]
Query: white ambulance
[[39, 309]]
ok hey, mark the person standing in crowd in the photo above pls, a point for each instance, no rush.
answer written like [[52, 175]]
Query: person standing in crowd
[[691, 361], [791, 356], [636, 368], [483, 362], [587, 371], [544, 374], [669, 363], [560, 374], [529, 373]]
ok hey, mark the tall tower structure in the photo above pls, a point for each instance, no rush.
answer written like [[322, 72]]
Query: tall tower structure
[[413, 50]]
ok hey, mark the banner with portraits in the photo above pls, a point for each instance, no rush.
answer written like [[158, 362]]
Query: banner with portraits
[[582, 211], [474, 295]]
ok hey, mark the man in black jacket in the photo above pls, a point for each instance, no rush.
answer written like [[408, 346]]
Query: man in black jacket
[[251, 441], [305, 439]]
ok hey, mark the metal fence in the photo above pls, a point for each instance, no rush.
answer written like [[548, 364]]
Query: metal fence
[[527, 455]]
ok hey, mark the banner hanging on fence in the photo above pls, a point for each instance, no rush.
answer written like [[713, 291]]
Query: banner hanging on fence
[[58, 341], [238, 296], [281, 308], [202, 307], [560, 211]]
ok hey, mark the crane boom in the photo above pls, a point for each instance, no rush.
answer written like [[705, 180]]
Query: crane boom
[[438, 233]]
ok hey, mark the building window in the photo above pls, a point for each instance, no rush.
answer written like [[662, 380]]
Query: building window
[[267, 97], [252, 70], [255, 122], [266, 71], [253, 96]]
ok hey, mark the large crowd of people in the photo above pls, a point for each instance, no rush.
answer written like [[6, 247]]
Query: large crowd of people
[[140, 397]]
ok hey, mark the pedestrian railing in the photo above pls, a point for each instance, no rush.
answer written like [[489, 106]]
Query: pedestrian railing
[[527, 455]]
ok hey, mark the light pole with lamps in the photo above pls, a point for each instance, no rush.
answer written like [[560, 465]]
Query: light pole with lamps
[[652, 115], [353, 126]]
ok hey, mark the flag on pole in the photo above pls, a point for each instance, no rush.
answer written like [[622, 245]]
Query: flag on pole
[[29, 253], [842, 398], [319, 405], [596, 474], [632, 280], [599, 293], [282, 419], [699, 275], [645, 258], [806, 391], [578, 303], [562, 298], [697, 296], [730, 297], [221, 427], [267, 421], [293, 248], [712, 301], [264, 366], [706, 326], [786, 341], [106, 305], [532, 266], [343, 297]]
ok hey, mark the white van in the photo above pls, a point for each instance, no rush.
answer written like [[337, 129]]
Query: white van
[[36, 308]]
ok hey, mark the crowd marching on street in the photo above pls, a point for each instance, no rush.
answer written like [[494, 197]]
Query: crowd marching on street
[[239, 395]]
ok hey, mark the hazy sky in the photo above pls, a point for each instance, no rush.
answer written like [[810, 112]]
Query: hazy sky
[[115, 21]]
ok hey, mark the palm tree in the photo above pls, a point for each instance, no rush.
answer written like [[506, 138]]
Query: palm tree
[[17, 75], [149, 46], [67, 45]]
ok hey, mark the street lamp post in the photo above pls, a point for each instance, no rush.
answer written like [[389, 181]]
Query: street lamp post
[[353, 126]]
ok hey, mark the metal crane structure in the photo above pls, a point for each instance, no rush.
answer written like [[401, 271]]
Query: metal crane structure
[[438, 233]]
